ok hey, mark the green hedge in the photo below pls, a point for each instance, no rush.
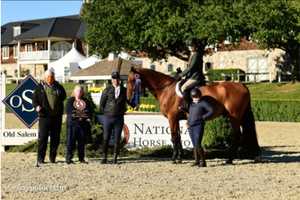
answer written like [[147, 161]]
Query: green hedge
[[225, 74], [276, 110], [217, 134], [264, 110]]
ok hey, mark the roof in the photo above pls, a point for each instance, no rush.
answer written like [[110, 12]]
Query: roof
[[106, 67], [64, 27]]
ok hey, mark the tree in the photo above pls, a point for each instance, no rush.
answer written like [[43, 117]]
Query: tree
[[158, 28], [162, 28], [276, 24]]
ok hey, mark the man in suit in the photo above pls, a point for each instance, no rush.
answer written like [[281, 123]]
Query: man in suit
[[48, 100], [113, 105]]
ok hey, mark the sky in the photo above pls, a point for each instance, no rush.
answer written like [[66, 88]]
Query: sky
[[17, 10]]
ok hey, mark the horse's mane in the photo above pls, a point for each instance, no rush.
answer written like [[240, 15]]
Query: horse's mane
[[155, 75]]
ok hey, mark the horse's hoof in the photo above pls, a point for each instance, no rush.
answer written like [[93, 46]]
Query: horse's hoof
[[179, 161], [229, 162], [174, 162]]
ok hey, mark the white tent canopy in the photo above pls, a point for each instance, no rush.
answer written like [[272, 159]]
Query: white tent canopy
[[67, 65], [89, 62]]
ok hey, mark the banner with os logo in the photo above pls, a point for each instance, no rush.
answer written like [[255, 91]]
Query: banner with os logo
[[19, 101]]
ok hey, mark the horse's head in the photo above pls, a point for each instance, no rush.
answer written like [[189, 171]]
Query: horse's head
[[130, 83], [155, 81]]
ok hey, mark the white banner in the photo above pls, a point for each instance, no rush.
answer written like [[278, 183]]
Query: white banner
[[150, 130], [18, 136], [96, 98], [141, 130]]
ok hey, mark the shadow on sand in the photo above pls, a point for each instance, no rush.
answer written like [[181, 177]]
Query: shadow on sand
[[269, 155]]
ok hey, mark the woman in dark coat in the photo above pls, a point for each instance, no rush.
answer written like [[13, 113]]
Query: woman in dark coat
[[79, 115]]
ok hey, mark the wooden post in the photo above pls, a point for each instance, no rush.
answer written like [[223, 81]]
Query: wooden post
[[2, 108], [18, 63], [34, 72], [87, 50]]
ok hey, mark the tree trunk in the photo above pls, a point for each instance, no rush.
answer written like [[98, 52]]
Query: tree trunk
[[295, 62]]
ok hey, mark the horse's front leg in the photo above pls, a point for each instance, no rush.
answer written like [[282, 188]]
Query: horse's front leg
[[176, 140]]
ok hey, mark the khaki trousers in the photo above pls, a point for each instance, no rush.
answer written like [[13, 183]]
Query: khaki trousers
[[187, 84]]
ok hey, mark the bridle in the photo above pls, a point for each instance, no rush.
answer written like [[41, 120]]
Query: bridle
[[161, 87]]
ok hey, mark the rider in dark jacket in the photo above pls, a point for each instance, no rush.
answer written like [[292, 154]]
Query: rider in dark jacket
[[193, 73]]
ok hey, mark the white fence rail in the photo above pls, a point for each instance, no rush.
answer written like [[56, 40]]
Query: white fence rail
[[256, 76], [40, 55]]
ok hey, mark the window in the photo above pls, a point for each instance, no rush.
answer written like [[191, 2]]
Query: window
[[5, 52], [62, 46], [28, 47], [17, 31], [170, 68], [15, 51], [208, 66], [152, 67]]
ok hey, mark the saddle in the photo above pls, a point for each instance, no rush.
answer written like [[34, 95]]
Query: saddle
[[178, 88]]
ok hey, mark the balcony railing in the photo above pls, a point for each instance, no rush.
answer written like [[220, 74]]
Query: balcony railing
[[41, 55]]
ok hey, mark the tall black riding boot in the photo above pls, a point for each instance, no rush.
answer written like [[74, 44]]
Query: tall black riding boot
[[186, 101], [202, 155], [196, 157], [104, 151]]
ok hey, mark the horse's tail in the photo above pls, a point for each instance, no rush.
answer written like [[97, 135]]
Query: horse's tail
[[249, 136]]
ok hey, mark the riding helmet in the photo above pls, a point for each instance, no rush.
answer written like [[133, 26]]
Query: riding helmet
[[115, 75], [195, 93]]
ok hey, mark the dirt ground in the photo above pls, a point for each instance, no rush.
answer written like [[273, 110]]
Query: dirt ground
[[277, 177]]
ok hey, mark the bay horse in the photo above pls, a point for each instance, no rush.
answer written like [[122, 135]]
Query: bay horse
[[233, 101]]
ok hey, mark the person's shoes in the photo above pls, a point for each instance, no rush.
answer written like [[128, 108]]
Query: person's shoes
[[104, 161], [202, 164], [115, 161], [83, 162], [70, 162], [41, 162], [52, 160], [229, 162]]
